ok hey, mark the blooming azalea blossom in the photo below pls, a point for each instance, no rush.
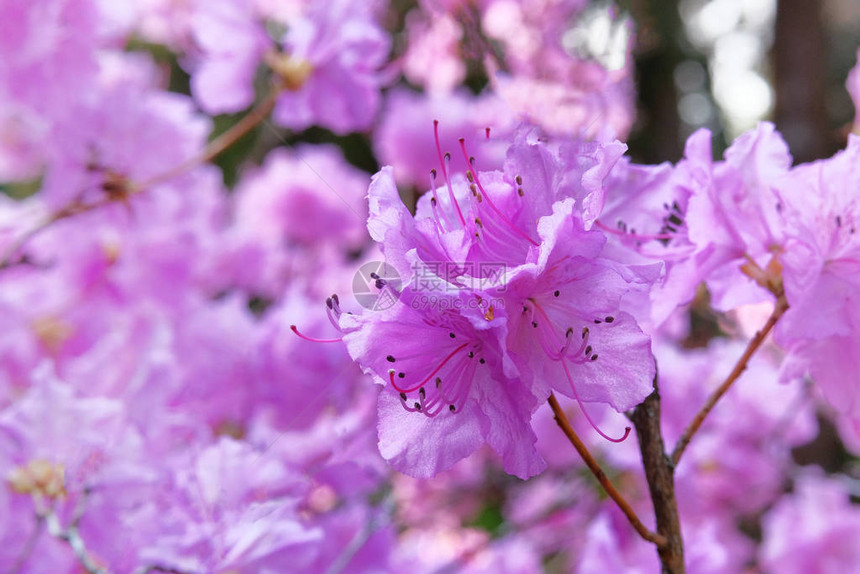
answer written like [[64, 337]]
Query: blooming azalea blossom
[[821, 273], [327, 63], [470, 354], [172, 400]]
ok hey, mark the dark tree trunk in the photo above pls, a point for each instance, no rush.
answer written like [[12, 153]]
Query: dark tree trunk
[[800, 74], [657, 134]]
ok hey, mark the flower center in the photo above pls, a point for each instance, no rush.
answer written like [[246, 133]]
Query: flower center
[[293, 72]]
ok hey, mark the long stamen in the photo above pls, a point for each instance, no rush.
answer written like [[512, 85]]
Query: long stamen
[[564, 360], [493, 247], [451, 386], [443, 164], [391, 372], [403, 401], [502, 230], [434, 405], [422, 402], [489, 200], [496, 239], [434, 202], [568, 339], [446, 167], [313, 339], [460, 384], [544, 334], [382, 284], [439, 400], [333, 303], [585, 412], [332, 319], [473, 197]]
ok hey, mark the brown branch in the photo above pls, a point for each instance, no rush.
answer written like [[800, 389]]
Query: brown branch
[[8, 257], [779, 309], [220, 143], [660, 473], [593, 465]]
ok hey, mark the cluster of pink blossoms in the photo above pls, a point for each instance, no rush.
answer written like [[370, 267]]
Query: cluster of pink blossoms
[[165, 405], [548, 270], [507, 295]]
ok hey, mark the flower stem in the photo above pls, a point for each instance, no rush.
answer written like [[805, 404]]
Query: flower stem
[[594, 466], [756, 342], [217, 146]]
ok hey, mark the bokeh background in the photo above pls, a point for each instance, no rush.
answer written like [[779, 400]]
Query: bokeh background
[[147, 349]]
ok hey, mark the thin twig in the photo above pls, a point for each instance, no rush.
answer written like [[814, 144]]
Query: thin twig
[[212, 150], [779, 309], [594, 466], [8, 257], [220, 143]]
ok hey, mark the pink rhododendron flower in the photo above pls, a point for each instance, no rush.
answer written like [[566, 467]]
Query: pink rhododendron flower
[[231, 42], [342, 49], [433, 59], [49, 49], [491, 344], [571, 315], [812, 529], [643, 213], [236, 510], [170, 399], [49, 62], [402, 138], [701, 218], [328, 63], [821, 273], [738, 215], [301, 197], [443, 399], [552, 83], [297, 213], [98, 157]]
